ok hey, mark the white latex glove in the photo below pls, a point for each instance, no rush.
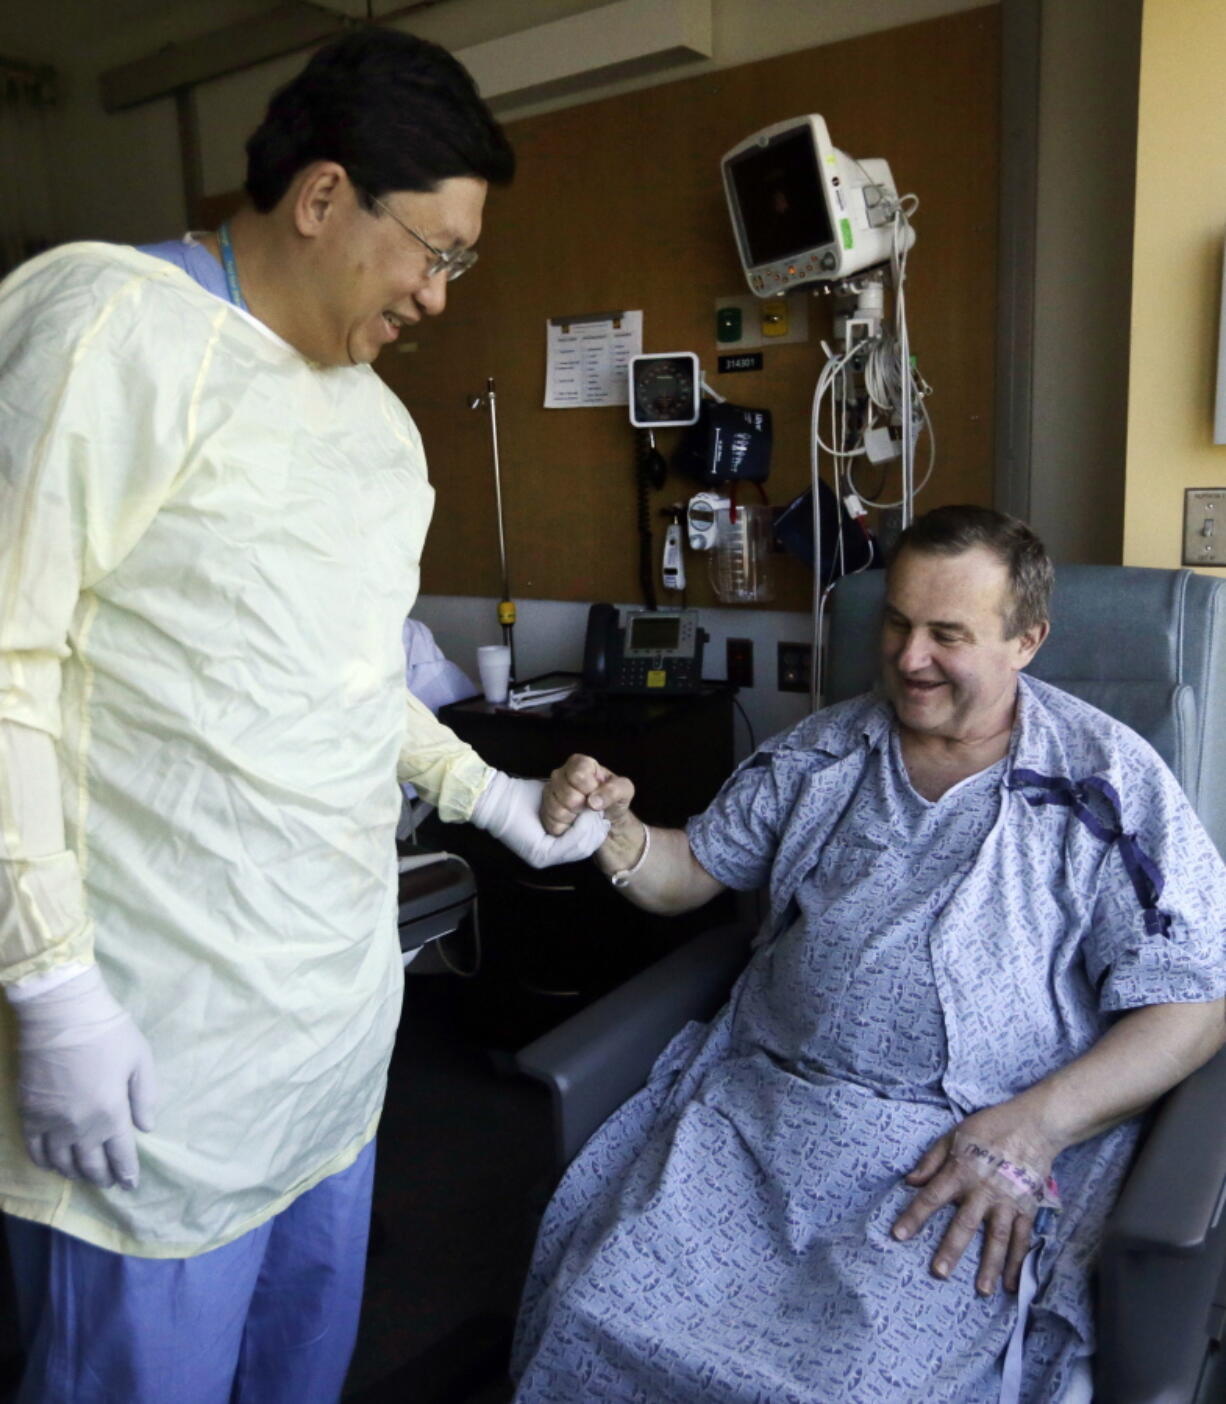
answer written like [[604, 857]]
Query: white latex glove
[[85, 1081], [510, 809]]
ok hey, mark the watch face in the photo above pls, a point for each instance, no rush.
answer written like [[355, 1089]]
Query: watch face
[[664, 390]]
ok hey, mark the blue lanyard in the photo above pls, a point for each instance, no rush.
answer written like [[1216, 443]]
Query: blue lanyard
[[227, 262]]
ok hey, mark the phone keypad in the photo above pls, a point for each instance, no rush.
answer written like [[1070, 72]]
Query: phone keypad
[[654, 674]]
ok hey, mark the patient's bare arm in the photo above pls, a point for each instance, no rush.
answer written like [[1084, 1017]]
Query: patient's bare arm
[[669, 878]]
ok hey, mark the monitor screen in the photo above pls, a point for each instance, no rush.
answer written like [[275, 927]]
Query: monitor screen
[[781, 200], [655, 632]]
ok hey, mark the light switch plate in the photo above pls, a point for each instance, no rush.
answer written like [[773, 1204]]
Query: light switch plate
[[1204, 527]]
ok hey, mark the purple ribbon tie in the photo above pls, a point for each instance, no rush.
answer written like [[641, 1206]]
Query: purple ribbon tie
[[1095, 803]]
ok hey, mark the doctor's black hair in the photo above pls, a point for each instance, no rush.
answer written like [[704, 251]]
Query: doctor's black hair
[[949, 531], [398, 112]]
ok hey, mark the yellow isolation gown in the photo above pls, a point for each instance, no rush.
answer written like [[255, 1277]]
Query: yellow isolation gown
[[208, 546]]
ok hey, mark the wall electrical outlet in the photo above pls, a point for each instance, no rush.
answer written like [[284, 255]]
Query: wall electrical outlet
[[795, 664], [1204, 527], [739, 653]]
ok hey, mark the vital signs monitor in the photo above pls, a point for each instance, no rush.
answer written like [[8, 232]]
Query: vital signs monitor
[[805, 212]]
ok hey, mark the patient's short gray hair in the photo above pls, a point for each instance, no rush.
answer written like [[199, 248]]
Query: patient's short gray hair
[[948, 531]]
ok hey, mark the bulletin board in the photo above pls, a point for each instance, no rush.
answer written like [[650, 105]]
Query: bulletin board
[[618, 204]]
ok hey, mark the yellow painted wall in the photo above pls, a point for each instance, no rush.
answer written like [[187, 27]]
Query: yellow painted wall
[[1177, 274]]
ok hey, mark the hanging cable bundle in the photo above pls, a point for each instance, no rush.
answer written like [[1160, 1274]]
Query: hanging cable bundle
[[872, 397]]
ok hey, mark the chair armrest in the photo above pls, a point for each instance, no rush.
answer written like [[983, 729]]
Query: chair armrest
[[1161, 1286], [1175, 1191], [601, 1056]]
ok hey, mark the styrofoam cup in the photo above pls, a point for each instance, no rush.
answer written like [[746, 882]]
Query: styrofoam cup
[[494, 665]]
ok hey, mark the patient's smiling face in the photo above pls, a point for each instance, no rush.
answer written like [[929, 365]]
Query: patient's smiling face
[[948, 668]]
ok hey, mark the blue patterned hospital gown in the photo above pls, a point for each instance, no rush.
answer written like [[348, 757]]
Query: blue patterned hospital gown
[[725, 1236]]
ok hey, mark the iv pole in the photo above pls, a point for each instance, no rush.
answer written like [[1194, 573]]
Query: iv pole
[[506, 606]]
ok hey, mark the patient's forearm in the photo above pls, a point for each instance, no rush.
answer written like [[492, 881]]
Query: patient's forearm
[[671, 879], [1144, 1055]]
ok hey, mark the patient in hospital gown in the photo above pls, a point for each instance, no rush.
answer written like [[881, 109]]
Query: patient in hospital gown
[[726, 1236]]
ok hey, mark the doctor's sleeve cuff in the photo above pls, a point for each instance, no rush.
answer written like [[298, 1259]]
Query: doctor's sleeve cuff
[[31, 986], [43, 920], [442, 768]]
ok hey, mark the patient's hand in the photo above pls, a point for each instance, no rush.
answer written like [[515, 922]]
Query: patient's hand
[[582, 784], [995, 1167]]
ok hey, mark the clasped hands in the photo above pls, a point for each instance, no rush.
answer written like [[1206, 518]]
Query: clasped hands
[[581, 786], [996, 1168], [513, 811]]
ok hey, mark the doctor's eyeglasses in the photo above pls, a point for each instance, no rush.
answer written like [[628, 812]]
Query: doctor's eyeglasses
[[451, 263]]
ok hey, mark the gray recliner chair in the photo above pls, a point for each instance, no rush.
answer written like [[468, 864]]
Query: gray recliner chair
[[1149, 647]]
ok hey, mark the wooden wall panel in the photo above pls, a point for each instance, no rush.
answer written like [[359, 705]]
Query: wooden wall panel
[[618, 204]]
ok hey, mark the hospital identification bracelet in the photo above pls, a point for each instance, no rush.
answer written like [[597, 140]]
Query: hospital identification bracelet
[[1042, 1189], [622, 877]]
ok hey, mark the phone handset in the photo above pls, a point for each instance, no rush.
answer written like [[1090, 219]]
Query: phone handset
[[601, 646]]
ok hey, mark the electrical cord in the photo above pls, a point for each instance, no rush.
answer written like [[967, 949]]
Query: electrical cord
[[649, 471], [923, 483], [753, 745], [441, 946]]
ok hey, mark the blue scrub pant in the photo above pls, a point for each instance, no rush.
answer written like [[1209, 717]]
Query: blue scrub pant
[[268, 1319]]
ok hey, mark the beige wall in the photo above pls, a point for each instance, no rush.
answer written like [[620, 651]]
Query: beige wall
[[1177, 263]]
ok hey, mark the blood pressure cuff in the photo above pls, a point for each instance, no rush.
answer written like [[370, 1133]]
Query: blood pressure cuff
[[729, 444], [844, 546]]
